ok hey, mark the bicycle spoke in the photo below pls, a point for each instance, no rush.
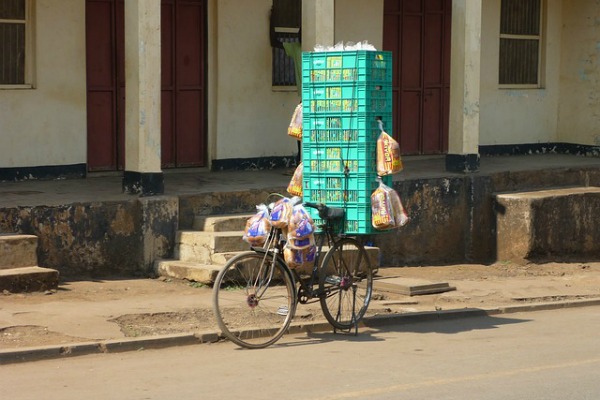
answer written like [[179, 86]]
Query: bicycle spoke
[[253, 300], [346, 281]]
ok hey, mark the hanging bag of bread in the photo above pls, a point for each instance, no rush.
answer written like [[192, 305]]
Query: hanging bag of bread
[[257, 227], [281, 213], [387, 211], [295, 186], [295, 128], [388, 154], [300, 258], [300, 248]]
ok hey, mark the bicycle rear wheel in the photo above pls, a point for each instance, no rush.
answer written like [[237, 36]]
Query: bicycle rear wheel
[[345, 283], [254, 299]]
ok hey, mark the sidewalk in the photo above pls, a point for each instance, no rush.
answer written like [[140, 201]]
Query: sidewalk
[[85, 317]]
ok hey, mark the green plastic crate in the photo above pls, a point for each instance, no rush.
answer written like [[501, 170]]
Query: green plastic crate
[[357, 221], [344, 98], [339, 190], [339, 156], [347, 66], [364, 128]]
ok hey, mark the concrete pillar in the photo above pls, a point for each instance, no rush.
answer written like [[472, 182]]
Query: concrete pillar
[[463, 149], [143, 174], [318, 23]]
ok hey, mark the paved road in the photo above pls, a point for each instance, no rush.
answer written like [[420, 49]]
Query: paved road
[[539, 355]]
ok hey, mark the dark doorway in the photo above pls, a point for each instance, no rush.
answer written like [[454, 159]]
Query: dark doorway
[[417, 32]]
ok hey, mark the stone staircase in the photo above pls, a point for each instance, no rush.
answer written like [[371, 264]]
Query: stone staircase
[[200, 253], [19, 271]]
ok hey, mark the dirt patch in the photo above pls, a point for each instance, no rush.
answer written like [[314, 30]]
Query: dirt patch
[[28, 336], [134, 325]]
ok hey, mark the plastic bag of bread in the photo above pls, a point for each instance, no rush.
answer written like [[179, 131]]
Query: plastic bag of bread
[[386, 208], [295, 128], [388, 154], [295, 186], [302, 243], [301, 224], [300, 258], [257, 227], [281, 213]]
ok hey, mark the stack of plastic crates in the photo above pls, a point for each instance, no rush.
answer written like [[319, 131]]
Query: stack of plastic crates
[[344, 95]]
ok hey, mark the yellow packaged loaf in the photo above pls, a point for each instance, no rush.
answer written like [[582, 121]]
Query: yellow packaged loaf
[[295, 127], [295, 186], [388, 155], [386, 209]]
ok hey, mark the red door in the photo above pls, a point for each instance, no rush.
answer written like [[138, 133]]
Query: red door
[[183, 28], [105, 84], [183, 83], [417, 32]]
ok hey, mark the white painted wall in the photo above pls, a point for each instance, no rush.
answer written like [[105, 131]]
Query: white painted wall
[[579, 110], [358, 20], [247, 118], [251, 118], [510, 116], [47, 125]]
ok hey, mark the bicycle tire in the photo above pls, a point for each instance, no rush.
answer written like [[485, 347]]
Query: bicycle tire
[[252, 307], [345, 283]]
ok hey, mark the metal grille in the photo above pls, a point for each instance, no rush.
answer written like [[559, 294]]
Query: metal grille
[[520, 38], [12, 42], [286, 21], [520, 17], [283, 66]]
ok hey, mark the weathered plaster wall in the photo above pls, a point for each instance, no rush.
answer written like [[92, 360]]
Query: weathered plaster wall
[[46, 125], [518, 116], [99, 238], [579, 111]]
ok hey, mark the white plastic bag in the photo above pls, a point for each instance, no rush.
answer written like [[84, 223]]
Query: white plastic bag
[[257, 227]]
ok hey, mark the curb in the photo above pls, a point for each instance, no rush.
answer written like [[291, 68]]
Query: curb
[[183, 339]]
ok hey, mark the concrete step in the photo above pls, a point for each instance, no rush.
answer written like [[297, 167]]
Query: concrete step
[[18, 251], [548, 223], [28, 279], [206, 272], [191, 271], [202, 246], [221, 223]]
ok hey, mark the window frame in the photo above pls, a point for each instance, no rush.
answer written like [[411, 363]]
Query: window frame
[[287, 32], [541, 51], [28, 73]]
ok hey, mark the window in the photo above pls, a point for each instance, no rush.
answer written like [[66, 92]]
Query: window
[[15, 37], [286, 20], [520, 43]]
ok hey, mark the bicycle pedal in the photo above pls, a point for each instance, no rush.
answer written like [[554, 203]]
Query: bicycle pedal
[[283, 311]]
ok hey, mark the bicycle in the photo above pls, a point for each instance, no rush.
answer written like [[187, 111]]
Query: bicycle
[[256, 293]]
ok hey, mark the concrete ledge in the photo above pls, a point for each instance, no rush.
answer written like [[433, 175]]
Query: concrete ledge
[[557, 223], [28, 279]]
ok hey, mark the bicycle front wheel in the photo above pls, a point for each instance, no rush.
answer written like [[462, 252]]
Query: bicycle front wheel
[[345, 283], [254, 299]]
